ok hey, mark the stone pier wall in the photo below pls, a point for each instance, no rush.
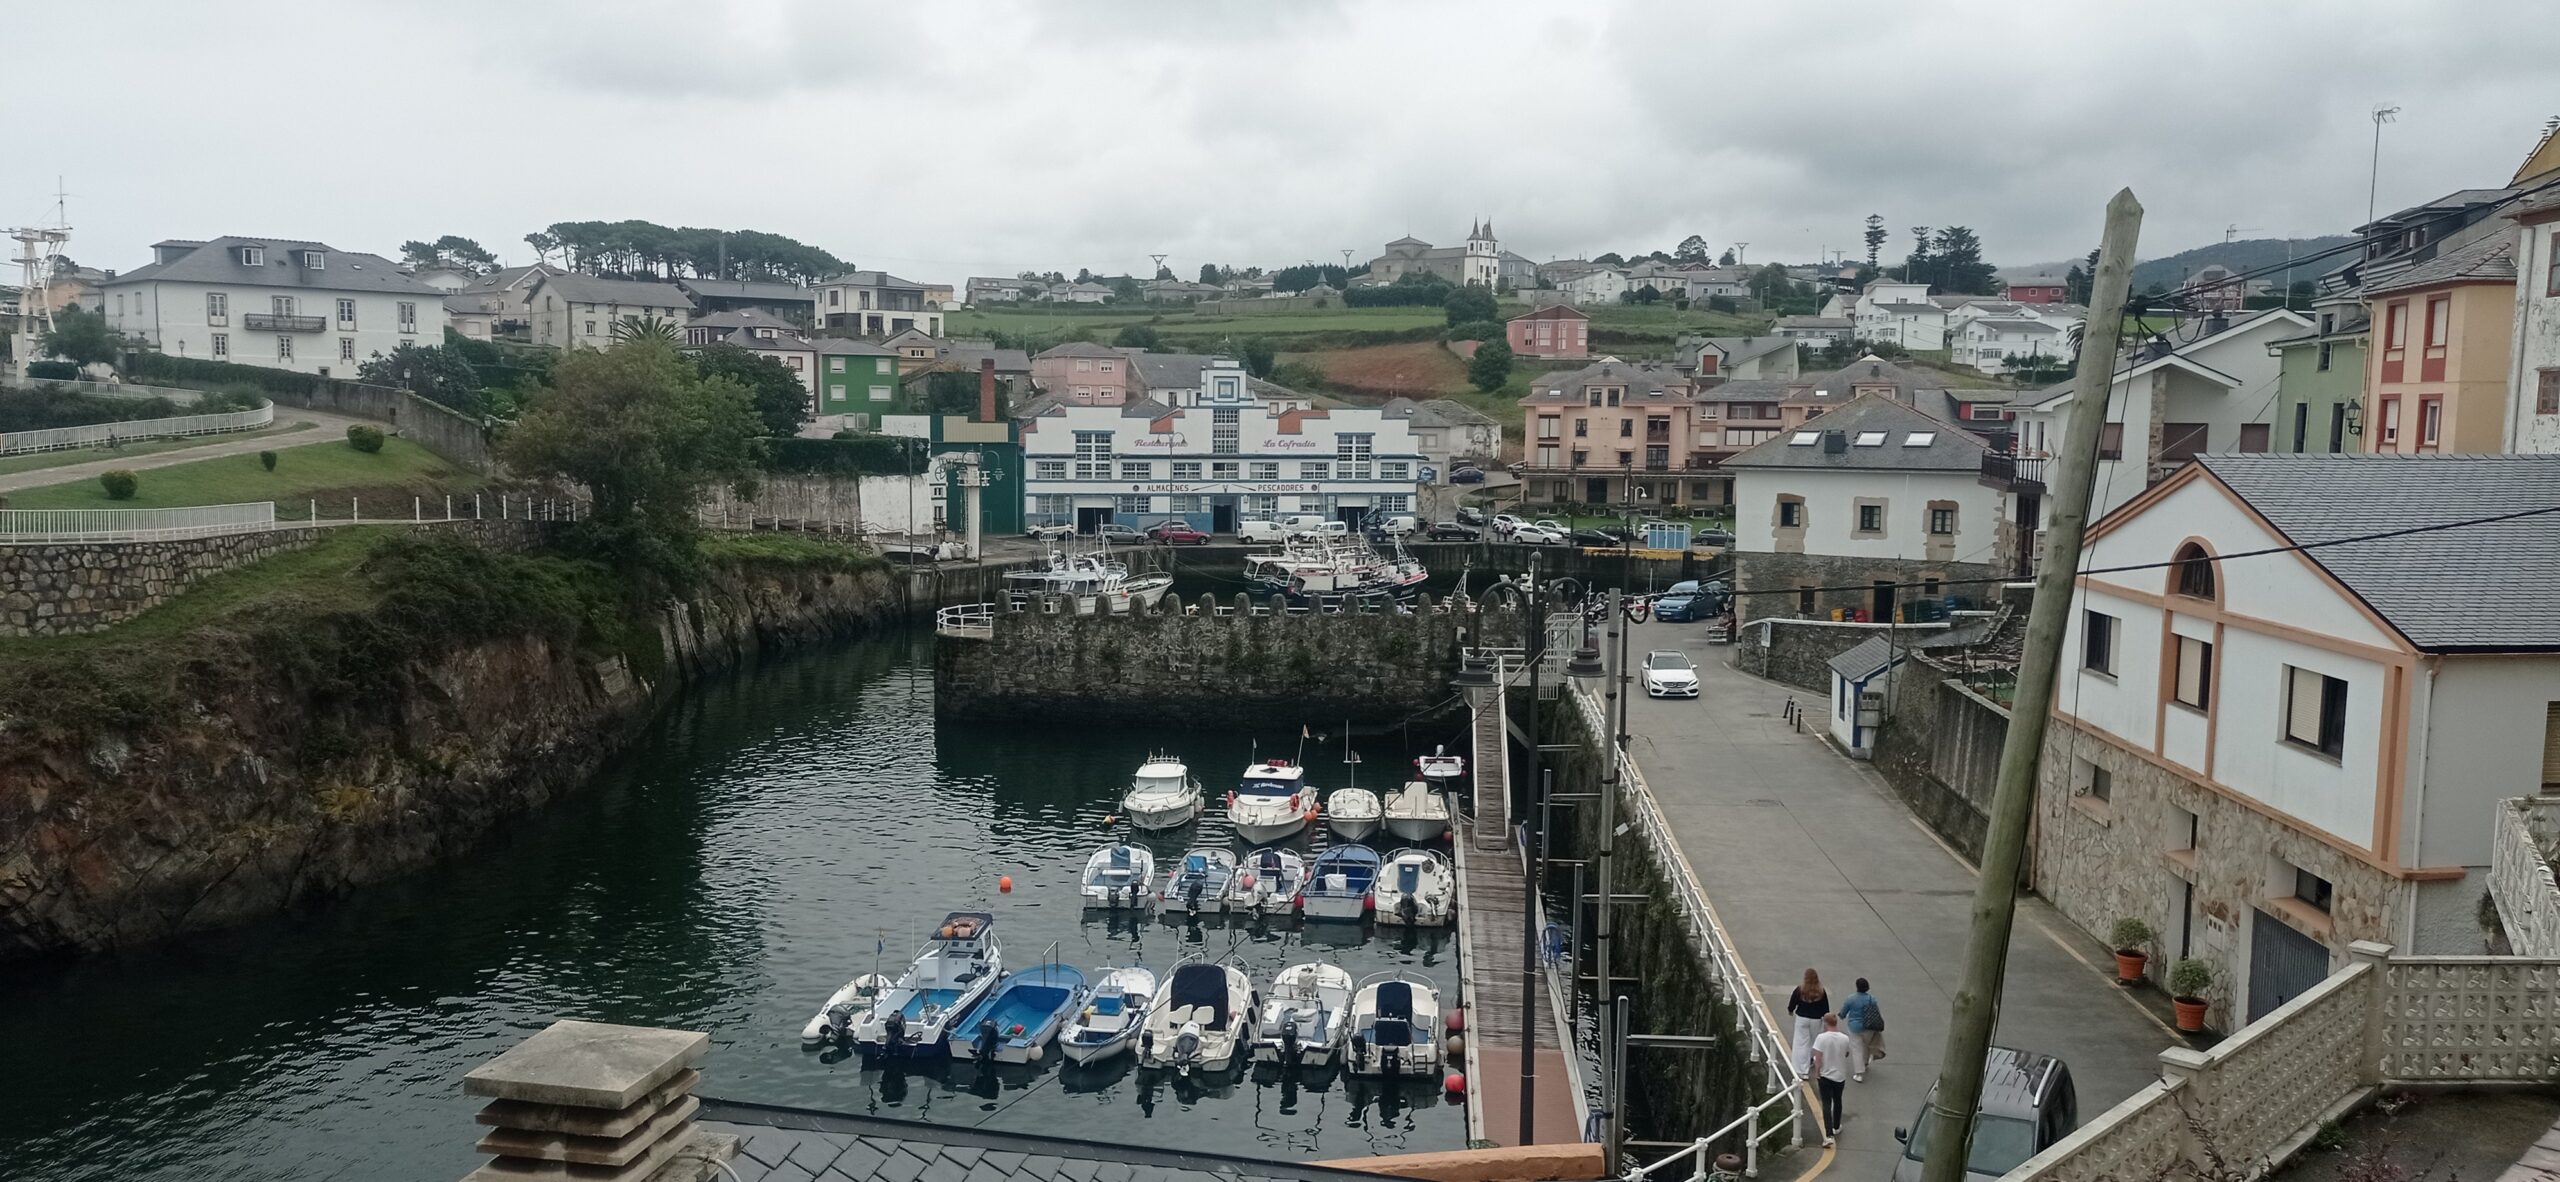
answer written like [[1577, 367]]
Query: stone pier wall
[[1191, 664], [1940, 749]]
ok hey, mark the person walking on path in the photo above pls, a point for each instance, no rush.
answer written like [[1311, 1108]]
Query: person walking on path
[[1808, 1005], [1833, 1053], [1863, 1019]]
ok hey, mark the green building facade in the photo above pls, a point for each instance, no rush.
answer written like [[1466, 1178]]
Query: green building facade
[[2320, 384], [856, 377]]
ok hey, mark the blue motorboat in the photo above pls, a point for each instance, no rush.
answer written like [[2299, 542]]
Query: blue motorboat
[[1021, 1016], [960, 965], [1338, 883]]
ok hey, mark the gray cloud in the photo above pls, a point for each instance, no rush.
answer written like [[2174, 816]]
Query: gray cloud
[[964, 137]]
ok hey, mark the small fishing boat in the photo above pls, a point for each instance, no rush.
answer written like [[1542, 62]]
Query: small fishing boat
[[1395, 1027], [1416, 888], [1022, 1015], [1118, 875], [1272, 802], [1440, 769], [1418, 812], [1270, 881], [1354, 813], [1164, 795], [1111, 1018], [835, 1019], [1200, 882], [1305, 1018], [1338, 883], [1204, 1015], [958, 967]]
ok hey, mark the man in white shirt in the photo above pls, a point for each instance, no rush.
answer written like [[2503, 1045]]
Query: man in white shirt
[[1833, 1056]]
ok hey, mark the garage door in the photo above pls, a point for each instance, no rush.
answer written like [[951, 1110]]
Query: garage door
[[2282, 963]]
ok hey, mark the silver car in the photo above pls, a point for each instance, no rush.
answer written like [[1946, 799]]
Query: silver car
[[1669, 673]]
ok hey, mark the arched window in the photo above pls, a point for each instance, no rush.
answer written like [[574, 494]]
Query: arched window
[[2195, 571]]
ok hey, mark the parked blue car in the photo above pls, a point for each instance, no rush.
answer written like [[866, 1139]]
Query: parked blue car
[[1687, 602]]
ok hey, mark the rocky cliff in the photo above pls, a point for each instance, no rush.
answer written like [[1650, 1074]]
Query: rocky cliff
[[258, 777]]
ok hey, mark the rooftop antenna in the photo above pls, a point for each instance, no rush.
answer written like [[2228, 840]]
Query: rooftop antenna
[[37, 247], [2235, 230], [2373, 187]]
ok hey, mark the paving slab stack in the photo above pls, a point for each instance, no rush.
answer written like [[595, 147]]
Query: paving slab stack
[[592, 1102]]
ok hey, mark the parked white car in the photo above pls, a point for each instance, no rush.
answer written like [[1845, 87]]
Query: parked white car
[[1398, 526], [1503, 524], [1537, 535], [1669, 673], [1261, 532], [1318, 531], [1049, 532]]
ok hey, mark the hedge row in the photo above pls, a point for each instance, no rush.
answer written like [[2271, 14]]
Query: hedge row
[[864, 455], [162, 367]]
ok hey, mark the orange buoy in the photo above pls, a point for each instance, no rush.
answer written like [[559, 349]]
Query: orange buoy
[[1457, 1019], [1004, 883], [1456, 1083]]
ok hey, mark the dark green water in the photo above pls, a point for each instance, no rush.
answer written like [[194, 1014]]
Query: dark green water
[[736, 868]]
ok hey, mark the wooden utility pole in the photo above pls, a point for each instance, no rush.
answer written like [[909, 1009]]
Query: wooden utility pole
[[1995, 896]]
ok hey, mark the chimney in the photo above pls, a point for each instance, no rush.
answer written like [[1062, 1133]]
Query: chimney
[[590, 1100], [986, 389]]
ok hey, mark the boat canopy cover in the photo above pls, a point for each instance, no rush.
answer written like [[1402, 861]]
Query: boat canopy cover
[[1268, 861], [1195, 863], [1109, 1003], [1409, 876], [1267, 786], [1119, 857], [1197, 985], [964, 925], [1395, 1000]]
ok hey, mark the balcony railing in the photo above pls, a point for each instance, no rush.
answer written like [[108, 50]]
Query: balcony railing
[[2001, 469], [269, 322]]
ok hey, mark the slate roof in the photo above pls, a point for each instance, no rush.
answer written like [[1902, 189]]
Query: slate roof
[[2004, 324], [1079, 349], [748, 289], [1434, 412], [849, 347], [1735, 350], [1554, 312], [1816, 322], [2482, 588], [1008, 361], [1864, 660], [744, 318], [1746, 390], [1833, 388], [1950, 448], [1644, 383], [590, 289], [869, 279], [218, 261], [1159, 371], [799, 1145], [1908, 309], [2487, 259]]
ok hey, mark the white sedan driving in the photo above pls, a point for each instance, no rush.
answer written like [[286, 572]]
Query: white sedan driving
[[1669, 674]]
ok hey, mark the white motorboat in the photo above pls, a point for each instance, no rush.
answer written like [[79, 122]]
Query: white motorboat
[[1090, 584], [1418, 812], [1272, 803], [1015, 1023], [1119, 875], [960, 964], [1305, 1018], [1332, 570], [1200, 1020], [1112, 1017], [1269, 882], [1442, 770], [1395, 1027], [1416, 888], [1338, 883], [1201, 882], [1163, 795], [835, 1019], [1353, 812]]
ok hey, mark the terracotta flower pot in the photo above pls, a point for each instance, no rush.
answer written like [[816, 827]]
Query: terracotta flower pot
[[2190, 1013], [2129, 966]]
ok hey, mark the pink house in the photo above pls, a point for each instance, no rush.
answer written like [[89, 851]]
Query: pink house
[[1557, 330], [1082, 374]]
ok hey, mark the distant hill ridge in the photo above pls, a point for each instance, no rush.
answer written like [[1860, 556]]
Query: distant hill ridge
[[2247, 254]]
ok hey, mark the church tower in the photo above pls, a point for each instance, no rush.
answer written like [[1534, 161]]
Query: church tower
[[1484, 254]]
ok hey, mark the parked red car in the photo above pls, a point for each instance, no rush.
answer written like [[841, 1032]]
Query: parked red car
[[1175, 533]]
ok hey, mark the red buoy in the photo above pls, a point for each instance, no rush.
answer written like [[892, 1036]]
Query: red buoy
[[1457, 1019], [1004, 883], [1456, 1083]]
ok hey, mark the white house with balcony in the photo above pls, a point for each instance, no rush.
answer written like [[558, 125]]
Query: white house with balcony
[[2269, 755], [1987, 343], [1230, 457], [276, 302]]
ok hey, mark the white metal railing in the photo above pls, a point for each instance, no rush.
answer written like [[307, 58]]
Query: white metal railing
[[60, 438], [1724, 965], [1700, 1155], [972, 621], [27, 526], [2520, 874]]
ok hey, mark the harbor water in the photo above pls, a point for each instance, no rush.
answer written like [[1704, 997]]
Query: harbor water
[[777, 832]]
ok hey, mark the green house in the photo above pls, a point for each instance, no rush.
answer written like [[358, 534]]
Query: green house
[[2320, 382], [856, 377]]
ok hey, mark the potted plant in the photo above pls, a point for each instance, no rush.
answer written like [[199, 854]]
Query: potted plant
[[2188, 979], [2131, 938]]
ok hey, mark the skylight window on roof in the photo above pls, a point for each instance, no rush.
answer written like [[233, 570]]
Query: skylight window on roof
[[1920, 439], [1871, 438], [1804, 439]]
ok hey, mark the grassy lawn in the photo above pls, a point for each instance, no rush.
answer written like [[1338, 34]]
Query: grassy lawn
[[329, 471], [321, 576], [1669, 322], [34, 461]]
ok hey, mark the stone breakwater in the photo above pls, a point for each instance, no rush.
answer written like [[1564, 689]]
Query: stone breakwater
[[1213, 663], [265, 787]]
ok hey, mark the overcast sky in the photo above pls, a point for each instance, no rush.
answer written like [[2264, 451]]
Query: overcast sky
[[949, 138]]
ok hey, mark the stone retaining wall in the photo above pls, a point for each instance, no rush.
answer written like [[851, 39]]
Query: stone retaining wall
[[1799, 652], [1940, 749], [1769, 584], [438, 428]]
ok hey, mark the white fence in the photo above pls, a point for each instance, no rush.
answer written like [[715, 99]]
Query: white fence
[[2520, 874], [60, 438], [2260, 1095], [37, 526]]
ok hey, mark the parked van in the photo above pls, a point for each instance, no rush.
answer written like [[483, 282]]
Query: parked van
[[1261, 531], [1307, 526], [1399, 526], [2028, 1104]]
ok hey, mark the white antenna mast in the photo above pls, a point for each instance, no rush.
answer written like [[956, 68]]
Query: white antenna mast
[[37, 247]]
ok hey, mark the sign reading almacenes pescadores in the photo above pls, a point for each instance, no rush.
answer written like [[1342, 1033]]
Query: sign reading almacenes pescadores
[[1216, 465]]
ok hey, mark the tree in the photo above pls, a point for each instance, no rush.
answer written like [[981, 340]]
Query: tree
[[1258, 357], [1127, 291], [1163, 272], [780, 400], [1770, 284], [644, 434], [2077, 281], [1083, 275], [1491, 366], [1914, 267], [1139, 336], [1212, 274], [452, 252], [82, 337], [434, 372], [645, 329], [1726, 259], [1613, 258], [1469, 304], [1307, 275], [1956, 266], [1648, 294], [1692, 249]]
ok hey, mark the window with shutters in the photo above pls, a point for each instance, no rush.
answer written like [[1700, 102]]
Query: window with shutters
[[2315, 711], [2194, 673], [2098, 642], [2551, 747], [2195, 571]]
